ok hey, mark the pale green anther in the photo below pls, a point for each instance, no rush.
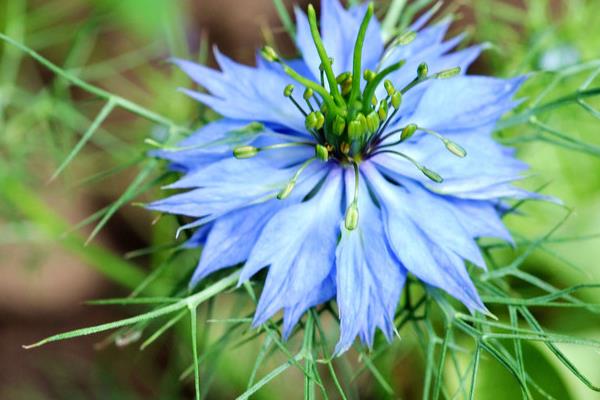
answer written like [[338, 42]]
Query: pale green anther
[[339, 124], [383, 110], [397, 100], [369, 75], [311, 121], [308, 93], [269, 54], [287, 190], [406, 38], [389, 87], [351, 220], [289, 89], [242, 152], [374, 101], [449, 73], [347, 86], [434, 176], [320, 120], [322, 67], [345, 147], [363, 122], [422, 70], [355, 130], [455, 148], [408, 131], [254, 127], [343, 77], [321, 152], [373, 122]]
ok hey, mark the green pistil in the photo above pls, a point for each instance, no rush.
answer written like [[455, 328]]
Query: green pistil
[[325, 60], [376, 81], [357, 61]]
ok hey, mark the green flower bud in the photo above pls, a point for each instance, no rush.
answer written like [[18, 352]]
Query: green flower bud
[[242, 152], [455, 148], [407, 132], [422, 70], [449, 73], [308, 93], [339, 124], [397, 100], [351, 220], [369, 75], [389, 87], [373, 122], [321, 152], [289, 89], [269, 54]]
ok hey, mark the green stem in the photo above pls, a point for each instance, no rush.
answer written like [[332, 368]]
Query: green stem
[[118, 101]]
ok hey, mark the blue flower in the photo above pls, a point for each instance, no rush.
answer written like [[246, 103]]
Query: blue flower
[[345, 188]]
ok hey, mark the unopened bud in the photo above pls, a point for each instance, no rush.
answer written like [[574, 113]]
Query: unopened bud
[[321, 152], [351, 220], [242, 152]]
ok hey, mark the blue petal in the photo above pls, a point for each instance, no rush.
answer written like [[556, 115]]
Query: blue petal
[[298, 244], [369, 277], [245, 93], [228, 185], [418, 253], [465, 102]]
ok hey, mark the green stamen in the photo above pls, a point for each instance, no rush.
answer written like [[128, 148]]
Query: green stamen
[[287, 190]]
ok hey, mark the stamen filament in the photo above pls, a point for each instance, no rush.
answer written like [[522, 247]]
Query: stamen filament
[[434, 176], [351, 219], [285, 192]]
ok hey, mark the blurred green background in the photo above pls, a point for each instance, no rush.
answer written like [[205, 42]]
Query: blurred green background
[[123, 47]]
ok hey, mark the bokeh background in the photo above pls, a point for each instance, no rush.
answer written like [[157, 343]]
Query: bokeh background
[[123, 46]]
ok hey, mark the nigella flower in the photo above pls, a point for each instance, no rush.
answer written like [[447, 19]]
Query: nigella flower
[[347, 169]]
